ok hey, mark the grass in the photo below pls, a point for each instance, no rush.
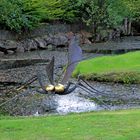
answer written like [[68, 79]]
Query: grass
[[109, 125], [123, 68]]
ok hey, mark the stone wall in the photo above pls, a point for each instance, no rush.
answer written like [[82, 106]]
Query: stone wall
[[44, 29], [49, 36], [44, 37]]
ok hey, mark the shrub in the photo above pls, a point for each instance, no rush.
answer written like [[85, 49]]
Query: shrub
[[20, 14], [27, 14]]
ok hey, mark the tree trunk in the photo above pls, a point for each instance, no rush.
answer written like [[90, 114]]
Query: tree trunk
[[129, 27], [125, 26]]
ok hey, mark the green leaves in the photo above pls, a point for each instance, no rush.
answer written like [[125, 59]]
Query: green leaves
[[19, 15]]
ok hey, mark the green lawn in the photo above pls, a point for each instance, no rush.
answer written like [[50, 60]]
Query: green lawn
[[119, 68], [109, 125]]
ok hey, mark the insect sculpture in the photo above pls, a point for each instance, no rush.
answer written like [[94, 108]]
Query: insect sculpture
[[64, 86]]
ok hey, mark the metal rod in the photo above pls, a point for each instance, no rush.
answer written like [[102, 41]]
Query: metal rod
[[34, 78], [107, 107]]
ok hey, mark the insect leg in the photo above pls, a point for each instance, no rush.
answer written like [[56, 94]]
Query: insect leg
[[68, 90], [89, 91], [41, 91]]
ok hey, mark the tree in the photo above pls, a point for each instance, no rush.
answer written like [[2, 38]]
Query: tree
[[21, 15], [123, 11], [94, 14]]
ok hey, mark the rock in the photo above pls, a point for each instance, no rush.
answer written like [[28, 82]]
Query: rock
[[49, 40], [62, 40], [84, 37], [10, 45], [29, 45], [57, 40], [20, 49], [41, 43], [10, 51], [51, 47]]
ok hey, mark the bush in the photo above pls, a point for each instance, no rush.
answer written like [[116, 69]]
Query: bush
[[27, 14], [20, 14]]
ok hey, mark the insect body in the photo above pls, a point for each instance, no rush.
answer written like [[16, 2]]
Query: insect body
[[55, 88], [64, 86]]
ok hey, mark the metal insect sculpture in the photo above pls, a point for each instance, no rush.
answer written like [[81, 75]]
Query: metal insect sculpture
[[64, 86]]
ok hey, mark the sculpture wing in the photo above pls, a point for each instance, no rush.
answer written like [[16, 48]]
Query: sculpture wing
[[74, 56], [50, 71]]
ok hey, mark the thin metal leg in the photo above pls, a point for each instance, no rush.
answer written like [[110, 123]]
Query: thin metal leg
[[89, 91], [69, 90], [91, 88], [42, 91]]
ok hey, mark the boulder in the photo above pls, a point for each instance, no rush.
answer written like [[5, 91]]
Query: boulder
[[61, 39], [9, 45], [57, 40], [20, 48], [41, 43], [29, 45]]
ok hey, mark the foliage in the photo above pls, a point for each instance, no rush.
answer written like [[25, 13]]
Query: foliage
[[94, 13], [27, 14], [120, 9], [20, 13], [57, 10], [121, 68], [108, 125]]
